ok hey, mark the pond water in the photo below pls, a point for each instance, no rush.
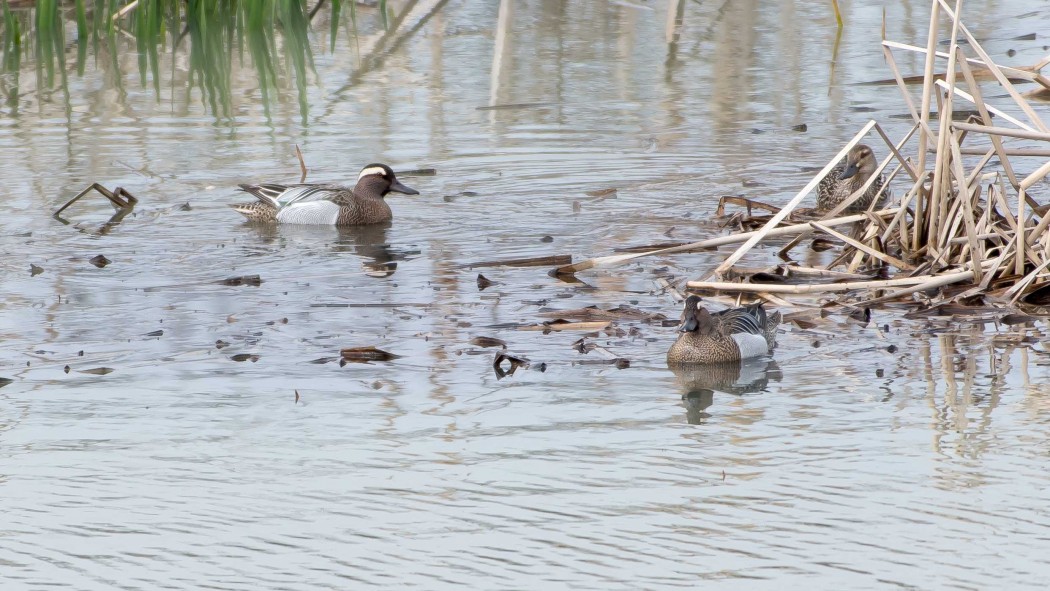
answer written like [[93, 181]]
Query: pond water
[[227, 448]]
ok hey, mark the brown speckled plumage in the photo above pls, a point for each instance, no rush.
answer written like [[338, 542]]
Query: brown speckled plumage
[[709, 338], [849, 176], [326, 204]]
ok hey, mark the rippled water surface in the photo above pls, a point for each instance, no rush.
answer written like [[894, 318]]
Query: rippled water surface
[[906, 453]]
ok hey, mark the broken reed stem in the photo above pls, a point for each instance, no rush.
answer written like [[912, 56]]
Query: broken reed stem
[[924, 114], [302, 163], [711, 243]]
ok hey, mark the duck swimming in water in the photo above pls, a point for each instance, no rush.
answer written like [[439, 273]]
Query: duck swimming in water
[[728, 335], [332, 205]]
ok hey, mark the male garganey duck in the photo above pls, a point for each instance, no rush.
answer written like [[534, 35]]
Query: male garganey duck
[[729, 335], [332, 205]]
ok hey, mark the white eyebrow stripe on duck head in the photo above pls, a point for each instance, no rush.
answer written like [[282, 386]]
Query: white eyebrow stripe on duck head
[[371, 170]]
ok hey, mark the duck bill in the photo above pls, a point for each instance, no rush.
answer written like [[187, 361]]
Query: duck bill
[[688, 325], [400, 188], [851, 169]]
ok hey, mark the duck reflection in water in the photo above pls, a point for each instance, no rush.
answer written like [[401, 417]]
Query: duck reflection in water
[[699, 382], [369, 243]]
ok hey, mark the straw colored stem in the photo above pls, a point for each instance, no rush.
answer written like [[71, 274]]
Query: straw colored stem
[[711, 243]]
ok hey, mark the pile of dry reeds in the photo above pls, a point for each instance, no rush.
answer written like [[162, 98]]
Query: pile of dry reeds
[[960, 231]]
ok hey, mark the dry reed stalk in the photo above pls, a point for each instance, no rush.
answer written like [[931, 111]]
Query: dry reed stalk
[[1026, 73], [997, 71], [825, 287], [607, 261], [865, 248]]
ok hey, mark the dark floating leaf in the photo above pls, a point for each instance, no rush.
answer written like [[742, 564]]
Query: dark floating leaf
[[252, 280], [35, 270], [488, 342], [98, 371], [1027, 37], [66, 369], [553, 261], [156, 333], [611, 192], [5, 381], [801, 127], [221, 344], [99, 261], [484, 282], [185, 207], [364, 354], [619, 362], [594, 313], [515, 363], [418, 172], [322, 360], [296, 397], [862, 315], [547, 239], [245, 357]]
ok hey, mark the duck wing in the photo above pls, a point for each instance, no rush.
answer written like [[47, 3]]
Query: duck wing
[[747, 320], [279, 195]]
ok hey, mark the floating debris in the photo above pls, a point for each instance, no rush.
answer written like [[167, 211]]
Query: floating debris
[[156, 333], [594, 313], [602, 193], [35, 270], [484, 282], [561, 324], [560, 259], [514, 363], [420, 172], [251, 280], [119, 198], [618, 362], [245, 357], [97, 371], [366, 354], [488, 342], [99, 261]]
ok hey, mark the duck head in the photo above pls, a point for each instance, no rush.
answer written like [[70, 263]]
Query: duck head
[[695, 318], [380, 178], [860, 160]]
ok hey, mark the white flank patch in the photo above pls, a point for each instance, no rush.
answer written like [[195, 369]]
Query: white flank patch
[[371, 170], [310, 212], [751, 345]]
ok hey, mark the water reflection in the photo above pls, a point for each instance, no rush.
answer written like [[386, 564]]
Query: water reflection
[[368, 243], [699, 382]]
